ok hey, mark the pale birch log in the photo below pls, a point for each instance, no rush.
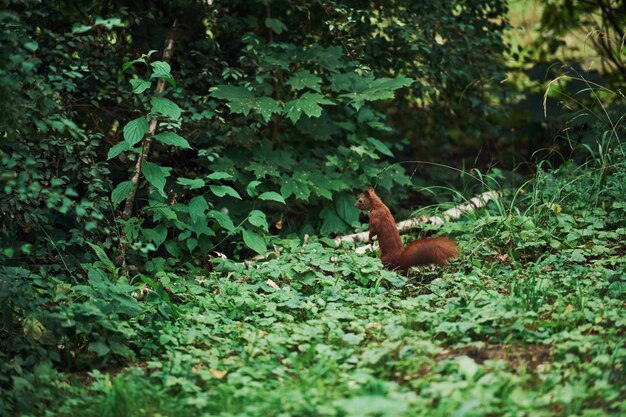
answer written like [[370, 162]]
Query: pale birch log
[[472, 204]]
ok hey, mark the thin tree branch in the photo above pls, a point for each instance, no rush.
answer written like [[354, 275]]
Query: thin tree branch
[[145, 146]]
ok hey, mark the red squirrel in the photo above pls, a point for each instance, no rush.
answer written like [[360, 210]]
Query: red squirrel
[[393, 254]]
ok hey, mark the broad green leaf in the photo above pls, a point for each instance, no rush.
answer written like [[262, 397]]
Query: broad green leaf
[[121, 192], [235, 103], [117, 149], [161, 69], [273, 196], [298, 186], [344, 204], [172, 248], [241, 100], [201, 227], [266, 106], [251, 188], [380, 147], [222, 190], [222, 219], [219, 175], [331, 222], [167, 108], [257, 218], [77, 29], [161, 210], [254, 241], [102, 256], [135, 130], [171, 138], [193, 184], [139, 85], [197, 207], [373, 89], [304, 79], [31, 46], [467, 366], [99, 348], [308, 104], [156, 175], [156, 235], [276, 25], [394, 279], [352, 338]]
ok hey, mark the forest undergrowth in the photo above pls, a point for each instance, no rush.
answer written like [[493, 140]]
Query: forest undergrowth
[[529, 320]]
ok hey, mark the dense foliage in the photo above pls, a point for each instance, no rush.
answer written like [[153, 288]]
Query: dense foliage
[[267, 103], [149, 147]]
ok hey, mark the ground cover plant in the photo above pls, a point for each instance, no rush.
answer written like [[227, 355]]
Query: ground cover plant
[[173, 175], [529, 321]]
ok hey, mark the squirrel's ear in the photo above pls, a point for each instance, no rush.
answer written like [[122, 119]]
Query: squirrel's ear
[[369, 191]]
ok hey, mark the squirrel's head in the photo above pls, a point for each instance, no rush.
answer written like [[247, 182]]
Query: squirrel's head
[[364, 202]]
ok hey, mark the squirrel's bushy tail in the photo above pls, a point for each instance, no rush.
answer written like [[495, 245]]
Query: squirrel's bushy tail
[[433, 250]]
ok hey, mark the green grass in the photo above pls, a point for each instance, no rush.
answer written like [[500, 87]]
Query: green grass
[[529, 321]]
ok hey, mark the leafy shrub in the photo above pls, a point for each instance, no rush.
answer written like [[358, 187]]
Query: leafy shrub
[[271, 111]]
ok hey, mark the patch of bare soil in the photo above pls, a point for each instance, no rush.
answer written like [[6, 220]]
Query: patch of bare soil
[[527, 356]]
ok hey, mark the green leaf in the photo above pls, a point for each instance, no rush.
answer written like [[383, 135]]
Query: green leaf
[[99, 348], [129, 63], [31, 46], [332, 223], [139, 85], [222, 219], [298, 185], [380, 147], [304, 79], [156, 235], [308, 104], [197, 207], [344, 204], [117, 149], [101, 254], [219, 175], [161, 210], [77, 29], [193, 184], [266, 107], [241, 100], [161, 69], [276, 25], [171, 138], [222, 190], [251, 188], [172, 248], [373, 89], [165, 107], [254, 241], [273, 196], [156, 175], [135, 130], [257, 218], [121, 192]]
